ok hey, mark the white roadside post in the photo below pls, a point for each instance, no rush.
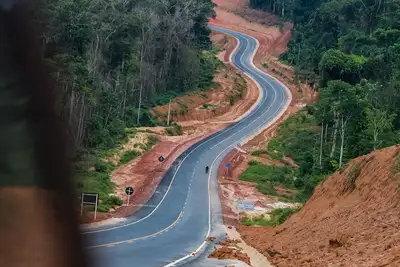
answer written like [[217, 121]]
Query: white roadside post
[[95, 209], [169, 111]]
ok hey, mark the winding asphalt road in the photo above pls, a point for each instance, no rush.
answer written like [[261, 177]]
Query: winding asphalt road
[[185, 209]]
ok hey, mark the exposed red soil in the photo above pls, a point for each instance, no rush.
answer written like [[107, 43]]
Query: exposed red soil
[[145, 173], [214, 103], [344, 223], [229, 251], [231, 189], [235, 15], [225, 42]]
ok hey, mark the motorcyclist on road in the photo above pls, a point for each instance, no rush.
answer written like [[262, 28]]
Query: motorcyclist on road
[[206, 169]]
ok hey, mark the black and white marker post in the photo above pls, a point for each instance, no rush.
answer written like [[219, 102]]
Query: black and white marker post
[[128, 191]]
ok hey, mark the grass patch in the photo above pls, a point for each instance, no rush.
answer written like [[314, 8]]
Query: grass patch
[[151, 141], [173, 130], [267, 176], [129, 156], [131, 131], [253, 162], [257, 153], [98, 181], [277, 217], [255, 221]]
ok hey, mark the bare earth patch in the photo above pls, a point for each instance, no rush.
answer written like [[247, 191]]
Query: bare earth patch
[[207, 113], [349, 221]]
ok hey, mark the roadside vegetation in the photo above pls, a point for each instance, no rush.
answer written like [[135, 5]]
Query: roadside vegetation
[[115, 60], [94, 170], [354, 64], [276, 217]]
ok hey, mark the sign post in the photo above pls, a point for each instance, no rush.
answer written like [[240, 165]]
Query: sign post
[[90, 199], [128, 191], [227, 167]]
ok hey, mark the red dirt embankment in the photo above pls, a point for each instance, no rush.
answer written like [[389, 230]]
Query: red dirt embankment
[[235, 15], [230, 250], [352, 219], [200, 121]]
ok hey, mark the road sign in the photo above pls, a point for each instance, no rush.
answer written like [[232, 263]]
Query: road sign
[[161, 158], [90, 199], [129, 190], [228, 164]]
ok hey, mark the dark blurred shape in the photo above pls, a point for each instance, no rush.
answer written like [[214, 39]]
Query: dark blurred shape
[[38, 223]]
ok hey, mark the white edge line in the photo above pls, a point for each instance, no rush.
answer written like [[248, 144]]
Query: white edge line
[[173, 178], [288, 100]]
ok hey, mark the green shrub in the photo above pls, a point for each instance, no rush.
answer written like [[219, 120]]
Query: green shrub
[[103, 208], [129, 156], [267, 188], [102, 166], [262, 174], [255, 221], [277, 217], [206, 106], [151, 141], [257, 153], [113, 201], [174, 130], [131, 131], [253, 162]]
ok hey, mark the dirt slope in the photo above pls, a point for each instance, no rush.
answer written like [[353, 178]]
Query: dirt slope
[[205, 113], [353, 219]]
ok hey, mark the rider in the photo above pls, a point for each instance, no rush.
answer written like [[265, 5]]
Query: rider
[[206, 169]]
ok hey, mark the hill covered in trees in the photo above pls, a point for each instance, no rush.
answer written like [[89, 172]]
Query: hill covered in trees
[[349, 50], [114, 59]]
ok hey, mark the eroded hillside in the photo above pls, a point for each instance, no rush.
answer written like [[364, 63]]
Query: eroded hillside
[[352, 219]]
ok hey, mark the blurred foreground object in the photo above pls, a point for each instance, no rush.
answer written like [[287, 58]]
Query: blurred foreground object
[[38, 223]]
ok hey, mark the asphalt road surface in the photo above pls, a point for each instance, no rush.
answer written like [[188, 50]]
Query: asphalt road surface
[[185, 208]]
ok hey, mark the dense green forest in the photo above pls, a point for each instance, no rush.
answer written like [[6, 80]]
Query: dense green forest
[[350, 51], [112, 61]]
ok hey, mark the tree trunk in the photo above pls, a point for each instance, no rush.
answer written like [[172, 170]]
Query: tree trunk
[[342, 132], [321, 145], [326, 132], [335, 129]]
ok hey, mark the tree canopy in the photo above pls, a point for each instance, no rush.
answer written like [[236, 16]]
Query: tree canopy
[[114, 59], [353, 48]]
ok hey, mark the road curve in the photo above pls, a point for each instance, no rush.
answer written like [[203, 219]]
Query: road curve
[[185, 208]]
